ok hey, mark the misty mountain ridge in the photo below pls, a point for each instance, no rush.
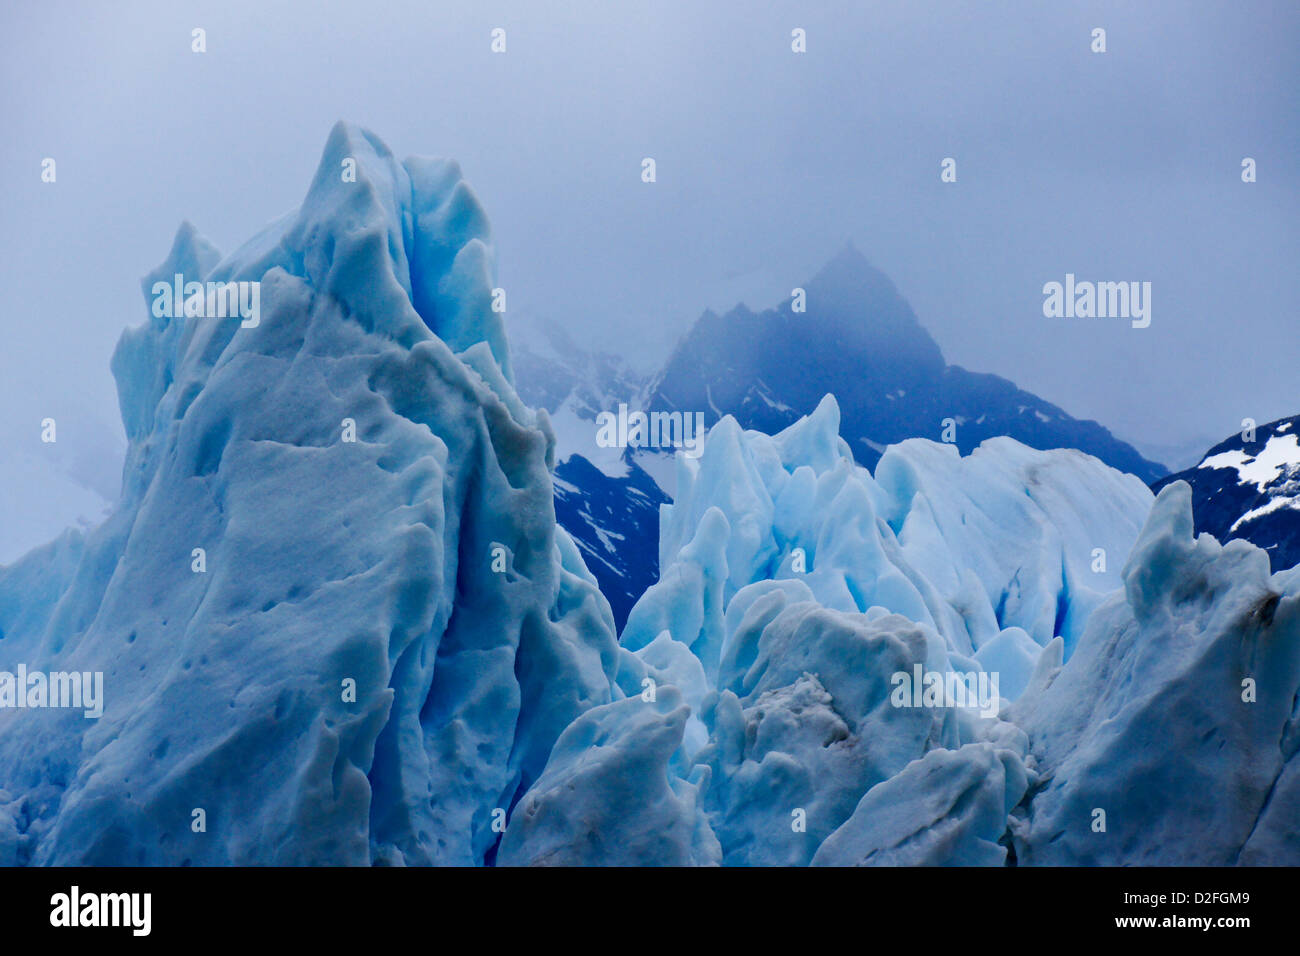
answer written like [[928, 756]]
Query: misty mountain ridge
[[860, 340]]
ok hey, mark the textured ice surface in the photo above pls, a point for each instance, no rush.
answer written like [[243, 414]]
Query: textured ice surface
[[326, 561], [646, 816], [1177, 716], [387, 652], [802, 586], [1007, 538], [950, 808]]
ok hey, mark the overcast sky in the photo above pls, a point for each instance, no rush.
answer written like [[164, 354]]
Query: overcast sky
[[1117, 166]]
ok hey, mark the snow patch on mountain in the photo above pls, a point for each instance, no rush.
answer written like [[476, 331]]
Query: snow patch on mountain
[[1280, 455], [1251, 490]]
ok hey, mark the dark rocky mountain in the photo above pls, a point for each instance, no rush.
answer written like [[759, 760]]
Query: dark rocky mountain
[[615, 524], [860, 340], [611, 509], [1251, 490]]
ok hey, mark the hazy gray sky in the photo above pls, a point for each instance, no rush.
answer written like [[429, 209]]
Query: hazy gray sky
[[1115, 166]]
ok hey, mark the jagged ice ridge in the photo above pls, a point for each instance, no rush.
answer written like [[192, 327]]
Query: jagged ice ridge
[[749, 715]]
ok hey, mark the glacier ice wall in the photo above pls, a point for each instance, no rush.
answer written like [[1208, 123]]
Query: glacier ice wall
[[1177, 721], [796, 587], [383, 650], [998, 552], [341, 676]]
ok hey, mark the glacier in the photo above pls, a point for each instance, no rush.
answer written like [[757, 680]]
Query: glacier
[[1150, 712], [338, 622], [345, 680]]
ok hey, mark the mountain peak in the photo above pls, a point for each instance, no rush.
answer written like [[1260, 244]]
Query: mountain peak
[[849, 256], [854, 335], [848, 277]]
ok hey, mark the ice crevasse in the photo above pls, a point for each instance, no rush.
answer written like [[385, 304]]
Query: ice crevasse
[[390, 654]]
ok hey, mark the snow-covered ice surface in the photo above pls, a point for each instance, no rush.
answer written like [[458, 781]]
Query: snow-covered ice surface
[[389, 653]]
